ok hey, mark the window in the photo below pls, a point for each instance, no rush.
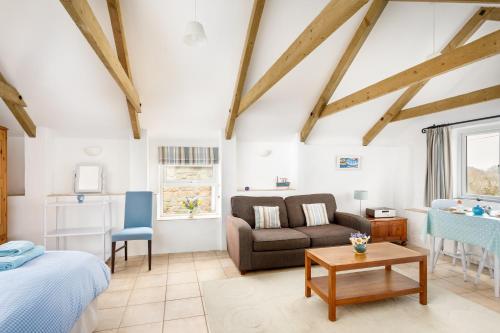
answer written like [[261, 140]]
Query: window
[[184, 177], [480, 169]]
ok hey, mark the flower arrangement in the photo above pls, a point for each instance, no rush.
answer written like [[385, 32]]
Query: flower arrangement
[[359, 241], [191, 204]]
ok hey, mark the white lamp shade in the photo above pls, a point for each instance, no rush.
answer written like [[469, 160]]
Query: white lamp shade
[[194, 34], [360, 195]]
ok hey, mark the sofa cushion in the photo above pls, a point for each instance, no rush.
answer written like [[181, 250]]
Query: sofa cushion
[[315, 214], [327, 235], [242, 207], [267, 217], [279, 239], [296, 217]]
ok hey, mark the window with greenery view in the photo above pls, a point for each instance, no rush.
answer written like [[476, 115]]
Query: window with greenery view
[[179, 182], [481, 172]]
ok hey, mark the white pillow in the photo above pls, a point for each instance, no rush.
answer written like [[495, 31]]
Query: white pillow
[[315, 214], [267, 217]]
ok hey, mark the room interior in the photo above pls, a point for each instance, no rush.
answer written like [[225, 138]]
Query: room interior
[[249, 166]]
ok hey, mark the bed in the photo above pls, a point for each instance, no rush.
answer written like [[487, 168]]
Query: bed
[[52, 293]]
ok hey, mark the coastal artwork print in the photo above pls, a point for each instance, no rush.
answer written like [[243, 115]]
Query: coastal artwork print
[[348, 162]]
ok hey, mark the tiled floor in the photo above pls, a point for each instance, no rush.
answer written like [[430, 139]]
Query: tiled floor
[[168, 298]]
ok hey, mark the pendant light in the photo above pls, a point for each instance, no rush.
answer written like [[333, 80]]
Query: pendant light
[[194, 34]]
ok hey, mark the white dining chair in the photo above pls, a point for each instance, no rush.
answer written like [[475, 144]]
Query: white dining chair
[[484, 258], [456, 254]]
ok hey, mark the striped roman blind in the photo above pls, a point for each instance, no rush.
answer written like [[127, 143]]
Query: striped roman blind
[[188, 155]]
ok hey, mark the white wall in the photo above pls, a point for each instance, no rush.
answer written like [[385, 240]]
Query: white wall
[[380, 167], [49, 166], [260, 172], [68, 152], [394, 176]]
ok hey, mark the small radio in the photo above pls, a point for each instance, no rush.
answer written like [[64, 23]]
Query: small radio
[[380, 212]]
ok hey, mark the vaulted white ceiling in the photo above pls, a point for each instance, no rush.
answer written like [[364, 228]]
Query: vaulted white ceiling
[[187, 91]]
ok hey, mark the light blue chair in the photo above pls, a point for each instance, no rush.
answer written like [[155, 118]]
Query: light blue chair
[[138, 224]]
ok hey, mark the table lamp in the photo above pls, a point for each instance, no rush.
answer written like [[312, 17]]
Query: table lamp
[[360, 195]]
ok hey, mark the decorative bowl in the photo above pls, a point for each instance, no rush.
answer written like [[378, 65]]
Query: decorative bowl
[[359, 248]]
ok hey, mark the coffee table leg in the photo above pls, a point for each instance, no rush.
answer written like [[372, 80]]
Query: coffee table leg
[[388, 268], [332, 294], [308, 275], [423, 281]]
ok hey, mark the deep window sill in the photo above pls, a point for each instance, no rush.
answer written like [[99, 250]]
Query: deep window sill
[[186, 217], [480, 198]]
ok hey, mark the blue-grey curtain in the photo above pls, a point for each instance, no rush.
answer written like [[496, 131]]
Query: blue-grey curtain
[[188, 155], [438, 180]]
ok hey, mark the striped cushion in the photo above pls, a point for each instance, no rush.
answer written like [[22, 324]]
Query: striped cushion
[[267, 217], [315, 214]]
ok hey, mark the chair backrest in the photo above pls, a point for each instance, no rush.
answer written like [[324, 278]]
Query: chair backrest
[[443, 203], [138, 209]]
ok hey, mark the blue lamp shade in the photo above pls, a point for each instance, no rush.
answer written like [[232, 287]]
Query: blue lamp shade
[[360, 195]]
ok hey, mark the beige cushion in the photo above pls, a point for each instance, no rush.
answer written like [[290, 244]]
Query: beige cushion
[[242, 207], [295, 212], [315, 214], [267, 217]]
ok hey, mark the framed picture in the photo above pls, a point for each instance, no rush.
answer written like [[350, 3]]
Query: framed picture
[[348, 162]]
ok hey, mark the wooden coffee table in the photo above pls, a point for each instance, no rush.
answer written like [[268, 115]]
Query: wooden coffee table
[[363, 286]]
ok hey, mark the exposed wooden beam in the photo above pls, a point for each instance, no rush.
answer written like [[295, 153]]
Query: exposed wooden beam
[[19, 112], [115, 15], [459, 39], [469, 28], [494, 14], [82, 15], [8, 92], [481, 48], [335, 13], [478, 96], [345, 62], [253, 27]]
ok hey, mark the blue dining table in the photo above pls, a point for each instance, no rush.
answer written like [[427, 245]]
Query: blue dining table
[[482, 231]]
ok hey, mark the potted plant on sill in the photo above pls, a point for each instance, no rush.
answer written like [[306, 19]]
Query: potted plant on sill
[[191, 204]]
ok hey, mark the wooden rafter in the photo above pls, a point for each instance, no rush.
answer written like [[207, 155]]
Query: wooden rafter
[[115, 16], [471, 26], [343, 65], [253, 27], [478, 96], [494, 14], [8, 92], [82, 15], [19, 112], [334, 15], [479, 49]]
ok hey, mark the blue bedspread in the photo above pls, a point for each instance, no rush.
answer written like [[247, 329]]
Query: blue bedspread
[[49, 293]]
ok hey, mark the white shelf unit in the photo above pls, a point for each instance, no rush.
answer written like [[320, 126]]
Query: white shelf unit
[[62, 232], [274, 189]]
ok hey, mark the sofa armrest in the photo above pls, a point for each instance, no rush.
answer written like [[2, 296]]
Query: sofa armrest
[[239, 242], [353, 221]]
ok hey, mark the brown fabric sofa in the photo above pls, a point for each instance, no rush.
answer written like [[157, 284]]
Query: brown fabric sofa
[[252, 249]]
